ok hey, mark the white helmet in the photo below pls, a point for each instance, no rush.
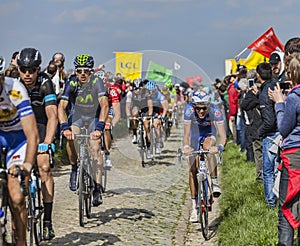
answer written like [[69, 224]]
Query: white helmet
[[2, 64], [200, 97]]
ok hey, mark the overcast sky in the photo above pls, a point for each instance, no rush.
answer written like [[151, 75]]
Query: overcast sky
[[205, 32]]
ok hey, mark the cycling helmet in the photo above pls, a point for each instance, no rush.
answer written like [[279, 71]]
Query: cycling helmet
[[199, 97], [151, 85], [136, 83], [2, 65], [84, 60], [29, 57], [169, 84]]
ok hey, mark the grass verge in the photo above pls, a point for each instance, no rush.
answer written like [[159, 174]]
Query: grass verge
[[245, 218]]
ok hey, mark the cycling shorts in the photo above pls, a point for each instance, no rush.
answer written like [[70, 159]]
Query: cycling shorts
[[15, 143]]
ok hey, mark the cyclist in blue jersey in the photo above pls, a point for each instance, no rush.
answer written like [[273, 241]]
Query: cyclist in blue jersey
[[43, 101], [160, 110], [88, 97], [202, 121], [19, 134]]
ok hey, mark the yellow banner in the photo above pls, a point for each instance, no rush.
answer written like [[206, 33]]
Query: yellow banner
[[129, 64], [254, 59]]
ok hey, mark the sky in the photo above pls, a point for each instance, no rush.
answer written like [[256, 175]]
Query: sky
[[198, 33]]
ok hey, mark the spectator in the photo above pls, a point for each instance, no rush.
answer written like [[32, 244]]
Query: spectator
[[12, 70], [232, 105], [276, 61], [268, 130], [288, 214]]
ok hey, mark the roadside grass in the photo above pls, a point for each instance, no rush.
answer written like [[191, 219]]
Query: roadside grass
[[245, 218]]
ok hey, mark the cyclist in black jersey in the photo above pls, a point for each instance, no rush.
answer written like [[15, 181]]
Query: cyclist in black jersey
[[89, 106], [43, 101], [19, 135], [139, 103]]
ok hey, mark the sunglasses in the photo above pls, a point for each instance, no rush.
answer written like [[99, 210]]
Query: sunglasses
[[201, 108], [31, 70], [84, 70]]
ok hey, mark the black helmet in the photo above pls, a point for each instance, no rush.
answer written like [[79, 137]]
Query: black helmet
[[84, 60], [29, 57]]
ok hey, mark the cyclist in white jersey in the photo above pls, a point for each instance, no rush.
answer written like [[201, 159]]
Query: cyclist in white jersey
[[19, 135]]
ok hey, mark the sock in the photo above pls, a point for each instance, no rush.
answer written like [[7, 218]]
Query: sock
[[48, 211], [194, 203]]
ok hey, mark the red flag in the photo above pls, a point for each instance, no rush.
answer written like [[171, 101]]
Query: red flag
[[266, 43], [192, 80]]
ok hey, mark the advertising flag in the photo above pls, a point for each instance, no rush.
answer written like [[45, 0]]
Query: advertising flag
[[266, 43], [129, 64], [158, 72]]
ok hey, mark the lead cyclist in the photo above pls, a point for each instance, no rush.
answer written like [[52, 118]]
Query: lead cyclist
[[19, 135], [203, 120]]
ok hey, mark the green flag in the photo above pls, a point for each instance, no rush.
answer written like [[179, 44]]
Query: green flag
[[158, 72]]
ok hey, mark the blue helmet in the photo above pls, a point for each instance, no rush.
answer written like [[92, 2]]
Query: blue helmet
[[151, 85], [200, 96]]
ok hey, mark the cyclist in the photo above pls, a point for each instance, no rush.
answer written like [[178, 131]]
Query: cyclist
[[114, 98], [139, 103], [171, 96], [202, 120], [19, 134], [86, 93], [43, 101], [160, 109]]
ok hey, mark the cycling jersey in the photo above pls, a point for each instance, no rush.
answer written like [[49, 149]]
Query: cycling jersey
[[84, 97], [41, 96], [114, 94], [139, 100], [202, 127], [14, 105]]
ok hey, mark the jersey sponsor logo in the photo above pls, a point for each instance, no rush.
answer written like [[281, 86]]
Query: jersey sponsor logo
[[7, 113], [87, 98], [16, 157], [15, 94], [217, 114]]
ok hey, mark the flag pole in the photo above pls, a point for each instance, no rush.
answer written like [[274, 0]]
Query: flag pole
[[241, 52]]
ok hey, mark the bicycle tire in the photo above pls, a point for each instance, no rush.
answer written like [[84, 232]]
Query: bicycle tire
[[38, 211], [30, 222], [203, 201], [7, 235], [104, 180], [142, 148], [89, 190], [80, 194], [152, 139]]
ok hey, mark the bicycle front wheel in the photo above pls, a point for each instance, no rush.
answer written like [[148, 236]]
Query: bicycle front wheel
[[81, 187], [203, 201]]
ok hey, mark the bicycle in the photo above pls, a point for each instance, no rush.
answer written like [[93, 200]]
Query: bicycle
[[205, 194], [6, 233], [85, 184], [35, 208], [104, 170], [175, 116]]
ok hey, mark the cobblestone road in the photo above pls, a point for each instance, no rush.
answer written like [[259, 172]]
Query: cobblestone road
[[142, 206]]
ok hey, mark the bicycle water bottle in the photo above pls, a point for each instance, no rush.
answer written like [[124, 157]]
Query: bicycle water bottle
[[202, 169], [33, 185]]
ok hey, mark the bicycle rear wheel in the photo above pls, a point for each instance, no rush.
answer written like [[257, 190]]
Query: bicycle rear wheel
[[81, 187], [141, 146], [203, 201], [104, 175]]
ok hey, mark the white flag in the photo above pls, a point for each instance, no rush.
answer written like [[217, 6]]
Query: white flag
[[176, 66]]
